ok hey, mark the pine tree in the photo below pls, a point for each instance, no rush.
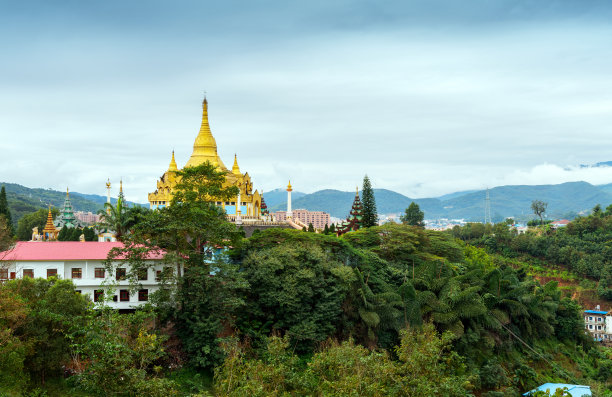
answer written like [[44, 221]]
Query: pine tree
[[326, 229], [332, 229], [4, 210], [64, 234], [304, 229], [370, 214], [311, 228], [413, 215]]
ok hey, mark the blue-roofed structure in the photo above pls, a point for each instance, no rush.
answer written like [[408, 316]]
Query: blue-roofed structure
[[596, 312], [574, 390]]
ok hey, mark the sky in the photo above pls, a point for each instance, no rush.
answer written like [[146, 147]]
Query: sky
[[425, 97]]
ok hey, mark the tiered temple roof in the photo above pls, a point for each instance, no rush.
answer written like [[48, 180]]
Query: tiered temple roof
[[66, 217], [353, 222]]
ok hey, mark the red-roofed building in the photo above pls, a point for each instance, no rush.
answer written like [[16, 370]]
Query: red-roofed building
[[561, 223], [81, 262]]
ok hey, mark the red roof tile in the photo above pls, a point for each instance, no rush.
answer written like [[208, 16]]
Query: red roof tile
[[61, 251]]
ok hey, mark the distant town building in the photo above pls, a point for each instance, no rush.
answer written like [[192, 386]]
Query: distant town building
[[87, 217], [599, 324], [561, 223], [318, 218]]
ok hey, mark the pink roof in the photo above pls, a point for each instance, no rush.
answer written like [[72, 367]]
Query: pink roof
[[62, 251], [561, 222]]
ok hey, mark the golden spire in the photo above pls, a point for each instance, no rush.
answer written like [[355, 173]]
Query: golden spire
[[121, 185], [235, 168], [49, 227], [172, 166], [205, 146], [67, 193], [289, 189]]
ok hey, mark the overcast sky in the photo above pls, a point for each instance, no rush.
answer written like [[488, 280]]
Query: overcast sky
[[426, 97]]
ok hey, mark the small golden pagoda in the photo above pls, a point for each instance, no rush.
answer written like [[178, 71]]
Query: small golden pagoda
[[50, 232], [246, 205]]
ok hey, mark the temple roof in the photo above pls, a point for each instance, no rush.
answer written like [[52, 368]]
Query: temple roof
[[205, 146]]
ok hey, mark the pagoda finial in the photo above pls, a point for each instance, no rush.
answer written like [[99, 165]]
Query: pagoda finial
[[121, 185], [235, 168], [67, 192], [289, 186], [172, 166]]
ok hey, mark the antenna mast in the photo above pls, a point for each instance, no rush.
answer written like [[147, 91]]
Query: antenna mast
[[487, 208]]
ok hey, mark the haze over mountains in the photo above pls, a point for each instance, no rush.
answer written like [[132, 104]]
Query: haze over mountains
[[564, 200]]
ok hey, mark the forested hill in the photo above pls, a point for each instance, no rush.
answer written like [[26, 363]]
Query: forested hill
[[23, 200], [564, 200]]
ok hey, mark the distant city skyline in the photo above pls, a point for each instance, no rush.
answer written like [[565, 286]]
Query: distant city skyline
[[426, 97]]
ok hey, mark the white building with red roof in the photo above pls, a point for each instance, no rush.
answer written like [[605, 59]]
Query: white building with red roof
[[83, 263]]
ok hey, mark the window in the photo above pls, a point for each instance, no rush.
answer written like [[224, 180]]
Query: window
[[158, 275], [590, 318], [599, 327], [98, 295], [51, 272], [28, 273], [590, 326], [124, 295], [143, 295], [598, 318], [77, 272], [143, 274], [120, 274], [99, 272], [13, 275], [4, 273]]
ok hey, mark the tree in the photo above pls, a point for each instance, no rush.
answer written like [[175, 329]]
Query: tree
[[6, 239], [4, 209], [370, 214], [114, 217], [539, 208], [295, 288], [413, 215], [34, 219], [332, 229], [113, 354], [54, 308], [326, 229], [311, 228]]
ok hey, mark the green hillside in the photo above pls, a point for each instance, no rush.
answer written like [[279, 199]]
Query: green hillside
[[515, 201], [23, 200]]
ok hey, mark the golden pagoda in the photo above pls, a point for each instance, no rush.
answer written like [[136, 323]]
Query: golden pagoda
[[247, 203], [50, 232]]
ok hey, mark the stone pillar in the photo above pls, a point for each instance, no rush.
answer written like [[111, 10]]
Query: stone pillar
[[238, 209]]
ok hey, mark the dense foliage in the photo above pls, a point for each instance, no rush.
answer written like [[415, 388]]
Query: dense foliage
[[582, 247]]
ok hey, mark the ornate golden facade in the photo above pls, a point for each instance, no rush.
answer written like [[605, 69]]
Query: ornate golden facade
[[248, 202]]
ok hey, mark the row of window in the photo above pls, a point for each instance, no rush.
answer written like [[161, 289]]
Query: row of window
[[124, 295], [591, 319], [591, 327], [77, 273]]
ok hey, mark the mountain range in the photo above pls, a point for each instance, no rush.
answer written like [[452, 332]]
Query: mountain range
[[564, 200]]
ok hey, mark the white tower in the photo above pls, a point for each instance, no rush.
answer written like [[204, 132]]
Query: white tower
[[289, 190], [108, 186], [238, 209]]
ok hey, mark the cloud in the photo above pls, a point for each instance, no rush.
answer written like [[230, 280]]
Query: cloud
[[425, 97]]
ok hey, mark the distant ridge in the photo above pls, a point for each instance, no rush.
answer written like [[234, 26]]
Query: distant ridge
[[564, 200], [23, 200]]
